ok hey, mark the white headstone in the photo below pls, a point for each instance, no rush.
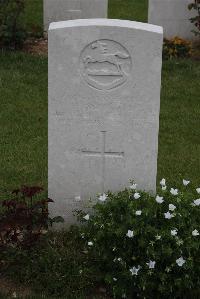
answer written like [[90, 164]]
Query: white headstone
[[173, 16], [62, 10], [104, 99]]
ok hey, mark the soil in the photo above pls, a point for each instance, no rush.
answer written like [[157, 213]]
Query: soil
[[13, 290], [36, 46]]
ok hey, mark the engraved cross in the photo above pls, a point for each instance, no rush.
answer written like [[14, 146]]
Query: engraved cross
[[103, 154]]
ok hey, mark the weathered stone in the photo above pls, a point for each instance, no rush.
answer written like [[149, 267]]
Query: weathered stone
[[104, 99], [173, 16], [62, 10]]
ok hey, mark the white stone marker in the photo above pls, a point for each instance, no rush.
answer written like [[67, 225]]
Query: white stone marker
[[104, 99], [62, 10], [174, 16]]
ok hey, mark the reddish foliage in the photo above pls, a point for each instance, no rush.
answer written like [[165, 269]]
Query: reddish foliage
[[30, 191], [23, 221]]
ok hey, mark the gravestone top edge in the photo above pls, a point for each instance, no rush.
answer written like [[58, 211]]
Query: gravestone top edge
[[105, 22]]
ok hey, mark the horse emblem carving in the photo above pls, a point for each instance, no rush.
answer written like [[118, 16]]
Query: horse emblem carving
[[105, 64]]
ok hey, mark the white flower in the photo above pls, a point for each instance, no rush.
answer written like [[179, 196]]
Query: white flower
[[133, 186], [197, 202], [136, 195], [90, 243], [138, 213], [119, 259], [163, 182], [164, 188], [151, 243], [168, 215], [195, 233], [185, 182], [174, 232], [159, 199], [179, 242], [130, 234], [174, 191], [180, 261], [172, 207], [158, 237], [198, 190], [167, 269], [103, 197], [151, 264], [87, 217], [115, 279], [80, 271], [134, 270]]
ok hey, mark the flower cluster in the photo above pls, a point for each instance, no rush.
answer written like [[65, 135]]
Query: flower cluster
[[143, 241], [176, 48]]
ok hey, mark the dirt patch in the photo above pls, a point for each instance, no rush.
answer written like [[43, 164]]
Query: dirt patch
[[13, 290], [36, 46]]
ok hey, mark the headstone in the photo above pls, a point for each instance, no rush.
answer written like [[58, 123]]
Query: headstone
[[104, 99], [62, 10], [173, 16]]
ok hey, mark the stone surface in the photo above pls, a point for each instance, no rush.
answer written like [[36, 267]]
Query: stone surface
[[62, 10], [173, 16], [104, 99]]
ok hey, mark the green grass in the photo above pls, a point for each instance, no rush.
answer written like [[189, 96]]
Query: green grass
[[33, 14], [23, 114], [179, 138], [135, 10]]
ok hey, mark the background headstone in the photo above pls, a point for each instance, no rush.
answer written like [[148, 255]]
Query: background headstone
[[173, 16], [62, 10], [104, 99]]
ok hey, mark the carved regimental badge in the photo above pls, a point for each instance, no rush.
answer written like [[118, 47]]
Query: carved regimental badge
[[105, 64]]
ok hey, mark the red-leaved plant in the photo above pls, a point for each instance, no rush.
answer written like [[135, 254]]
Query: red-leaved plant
[[24, 218]]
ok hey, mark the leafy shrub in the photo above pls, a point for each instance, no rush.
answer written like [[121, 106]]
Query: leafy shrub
[[196, 20], [176, 48], [12, 33], [146, 246], [24, 219]]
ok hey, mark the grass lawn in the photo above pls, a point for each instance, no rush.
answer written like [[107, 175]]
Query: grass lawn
[[135, 10], [179, 138], [23, 113]]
